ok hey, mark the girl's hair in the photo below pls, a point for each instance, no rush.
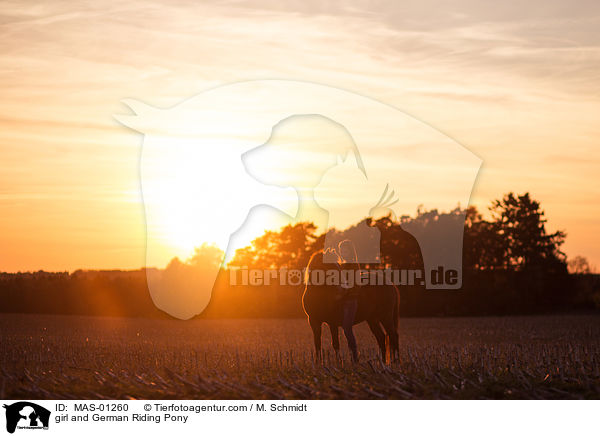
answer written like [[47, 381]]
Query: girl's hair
[[347, 246]]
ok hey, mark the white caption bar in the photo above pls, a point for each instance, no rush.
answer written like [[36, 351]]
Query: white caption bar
[[157, 417]]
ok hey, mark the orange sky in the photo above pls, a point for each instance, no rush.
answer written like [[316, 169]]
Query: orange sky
[[516, 84]]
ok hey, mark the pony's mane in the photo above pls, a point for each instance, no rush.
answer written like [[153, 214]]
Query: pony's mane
[[316, 261]]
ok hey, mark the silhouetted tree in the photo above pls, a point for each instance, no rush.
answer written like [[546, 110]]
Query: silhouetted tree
[[399, 249], [482, 245], [289, 247], [579, 265], [521, 227]]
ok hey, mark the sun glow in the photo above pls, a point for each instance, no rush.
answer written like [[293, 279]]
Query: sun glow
[[194, 195]]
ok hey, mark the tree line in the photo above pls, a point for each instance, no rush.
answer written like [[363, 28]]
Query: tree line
[[511, 265]]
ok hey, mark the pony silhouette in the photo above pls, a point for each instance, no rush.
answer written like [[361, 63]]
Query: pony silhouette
[[378, 305]]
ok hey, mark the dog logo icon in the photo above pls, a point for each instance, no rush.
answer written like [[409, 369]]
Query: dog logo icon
[[26, 415]]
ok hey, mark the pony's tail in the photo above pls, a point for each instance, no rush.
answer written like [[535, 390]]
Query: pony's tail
[[388, 351], [396, 321]]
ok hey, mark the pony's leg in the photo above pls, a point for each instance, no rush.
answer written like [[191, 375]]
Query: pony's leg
[[316, 329], [379, 336], [394, 338], [335, 340], [351, 342], [349, 312], [395, 346]]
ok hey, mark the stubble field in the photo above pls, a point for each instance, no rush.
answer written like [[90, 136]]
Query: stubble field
[[68, 357]]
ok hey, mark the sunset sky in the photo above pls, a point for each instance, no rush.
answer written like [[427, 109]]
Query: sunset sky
[[518, 84]]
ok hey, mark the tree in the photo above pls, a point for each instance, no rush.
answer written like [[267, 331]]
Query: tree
[[579, 265], [290, 247], [521, 227], [482, 248], [207, 255]]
